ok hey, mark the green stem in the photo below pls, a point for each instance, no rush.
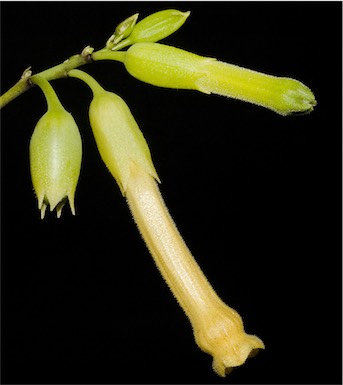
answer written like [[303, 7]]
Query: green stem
[[89, 80], [59, 71], [106, 54], [19, 88], [49, 93], [122, 44], [56, 72]]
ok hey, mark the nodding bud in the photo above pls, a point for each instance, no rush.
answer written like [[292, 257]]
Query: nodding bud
[[55, 155], [171, 67]]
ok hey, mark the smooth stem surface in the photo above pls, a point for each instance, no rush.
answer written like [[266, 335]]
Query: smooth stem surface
[[89, 80], [106, 54], [19, 88], [59, 71], [49, 93]]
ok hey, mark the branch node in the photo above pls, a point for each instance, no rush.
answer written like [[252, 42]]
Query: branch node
[[26, 74]]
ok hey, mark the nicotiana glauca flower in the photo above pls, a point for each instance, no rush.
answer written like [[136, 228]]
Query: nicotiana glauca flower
[[55, 154], [171, 67], [218, 329]]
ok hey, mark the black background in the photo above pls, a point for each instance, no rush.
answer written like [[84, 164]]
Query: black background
[[256, 196]]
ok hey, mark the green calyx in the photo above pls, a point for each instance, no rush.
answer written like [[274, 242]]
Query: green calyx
[[55, 155], [119, 140]]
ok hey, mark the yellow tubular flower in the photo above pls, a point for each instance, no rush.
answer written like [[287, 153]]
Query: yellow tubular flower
[[171, 67], [218, 329]]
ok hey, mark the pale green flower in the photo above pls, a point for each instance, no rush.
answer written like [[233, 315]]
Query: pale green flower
[[55, 155], [171, 67]]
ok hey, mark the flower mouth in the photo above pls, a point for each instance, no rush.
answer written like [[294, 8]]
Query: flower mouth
[[58, 206], [308, 108]]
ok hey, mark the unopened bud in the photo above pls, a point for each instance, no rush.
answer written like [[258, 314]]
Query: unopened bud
[[55, 157], [171, 67], [122, 31], [155, 27]]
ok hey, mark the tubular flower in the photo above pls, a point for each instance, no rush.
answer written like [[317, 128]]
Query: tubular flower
[[55, 155], [218, 329], [171, 67]]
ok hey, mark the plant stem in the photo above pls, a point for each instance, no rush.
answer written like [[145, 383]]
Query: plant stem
[[89, 80], [49, 93], [59, 71], [106, 54], [19, 88]]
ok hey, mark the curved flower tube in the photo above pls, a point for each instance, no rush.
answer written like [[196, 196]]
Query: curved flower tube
[[218, 329], [166, 66]]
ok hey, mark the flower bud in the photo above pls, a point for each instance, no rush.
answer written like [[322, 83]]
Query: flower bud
[[122, 31], [171, 67], [158, 26], [55, 160], [155, 27], [125, 28]]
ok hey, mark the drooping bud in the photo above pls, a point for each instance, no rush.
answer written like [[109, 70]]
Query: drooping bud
[[55, 155], [171, 67], [155, 27], [117, 135]]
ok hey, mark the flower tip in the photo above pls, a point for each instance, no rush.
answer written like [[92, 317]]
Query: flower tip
[[298, 98], [71, 204], [44, 202], [224, 364], [42, 211]]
